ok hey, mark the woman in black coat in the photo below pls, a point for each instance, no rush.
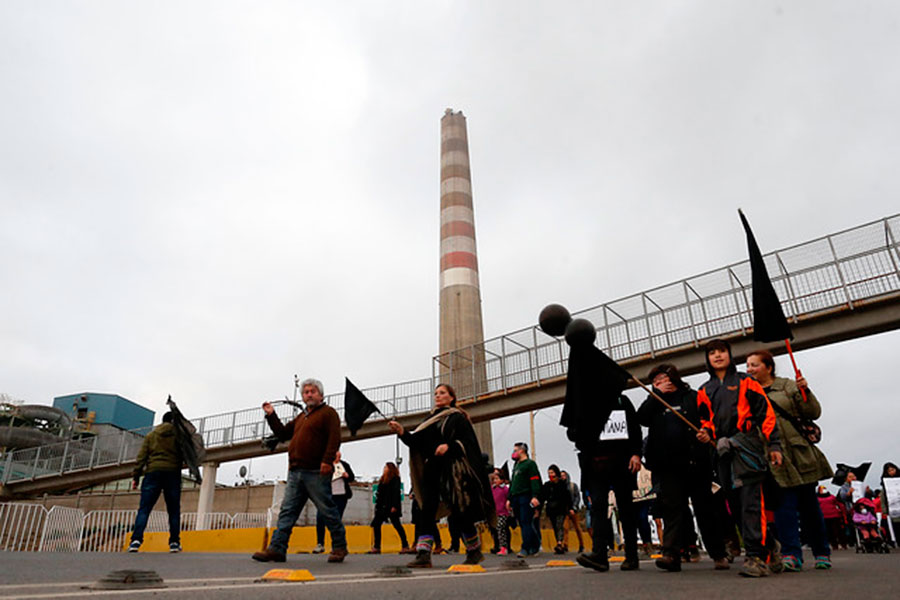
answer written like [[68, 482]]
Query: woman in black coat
[[388, 507], [557, 501]]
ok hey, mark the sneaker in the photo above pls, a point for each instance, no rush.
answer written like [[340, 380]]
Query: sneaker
[[374, 551], [337, 555], [407, 550], [594, 560], [667, 562], [645, 552], [502, 552], [721, 564], [134, 546], [473, 557], [421, 561], [319, 549], [791, 564], [823, 562], [174, 547], [754, 567], [269, 555], [630, 564]]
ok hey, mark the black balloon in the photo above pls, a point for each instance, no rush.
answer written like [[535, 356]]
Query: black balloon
[[580, 332], [554, 319]]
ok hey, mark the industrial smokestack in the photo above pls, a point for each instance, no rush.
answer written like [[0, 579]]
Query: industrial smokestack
[[461, 332]]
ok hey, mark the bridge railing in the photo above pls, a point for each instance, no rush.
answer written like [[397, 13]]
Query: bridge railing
[[840, 270]]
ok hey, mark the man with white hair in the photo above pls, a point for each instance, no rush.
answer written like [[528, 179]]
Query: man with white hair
[[315, 437]]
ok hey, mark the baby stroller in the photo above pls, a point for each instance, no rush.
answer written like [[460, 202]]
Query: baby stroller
[[865, 522]]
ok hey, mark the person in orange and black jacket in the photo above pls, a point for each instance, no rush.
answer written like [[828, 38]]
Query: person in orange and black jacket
[[736, 414]]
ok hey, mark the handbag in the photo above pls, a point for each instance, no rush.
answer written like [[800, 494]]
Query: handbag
[[811, 432]]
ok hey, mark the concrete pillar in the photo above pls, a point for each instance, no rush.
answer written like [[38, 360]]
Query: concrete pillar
[[461, 330], [207, 493]]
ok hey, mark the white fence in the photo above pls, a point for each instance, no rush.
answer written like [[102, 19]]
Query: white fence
[[33, 528]]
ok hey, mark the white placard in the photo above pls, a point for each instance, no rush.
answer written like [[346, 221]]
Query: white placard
[[859, 490], [616, 427], [892, 489], [338, 472]]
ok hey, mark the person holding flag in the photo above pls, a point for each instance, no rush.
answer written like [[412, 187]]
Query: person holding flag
[[802, 467], [735, 413], [448, 473]]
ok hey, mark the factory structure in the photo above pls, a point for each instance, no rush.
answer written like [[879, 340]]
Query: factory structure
[[461, 354]]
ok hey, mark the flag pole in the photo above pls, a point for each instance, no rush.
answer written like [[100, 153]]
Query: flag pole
[[797, 373], [669, 406]]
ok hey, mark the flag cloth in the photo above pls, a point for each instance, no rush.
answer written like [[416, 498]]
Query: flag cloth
[[357, 407], [594, 383], [189, 441], [504, 471], [769, 322]]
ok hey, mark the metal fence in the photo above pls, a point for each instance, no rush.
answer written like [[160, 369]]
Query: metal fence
[[836, 271], [34, 528]]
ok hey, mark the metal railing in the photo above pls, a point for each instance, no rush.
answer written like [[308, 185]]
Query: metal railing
[[839, 270], [34, 528]]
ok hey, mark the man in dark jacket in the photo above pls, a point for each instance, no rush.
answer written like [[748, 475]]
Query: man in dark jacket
[[159, 461], [315, 437], [682, 468], [610, 457]]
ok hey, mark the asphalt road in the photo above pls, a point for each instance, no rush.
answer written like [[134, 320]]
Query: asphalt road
[[26, 575]]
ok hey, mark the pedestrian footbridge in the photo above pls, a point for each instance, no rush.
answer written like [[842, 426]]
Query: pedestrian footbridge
[[838, 287]]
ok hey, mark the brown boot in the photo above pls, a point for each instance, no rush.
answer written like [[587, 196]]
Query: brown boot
[[269, 555], [667, 562], [722, 564], [337, 555]]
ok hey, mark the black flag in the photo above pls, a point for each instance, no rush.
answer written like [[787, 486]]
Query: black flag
[[504, 471], [357, 407], [189, 441], [769, 322], [594, 383]]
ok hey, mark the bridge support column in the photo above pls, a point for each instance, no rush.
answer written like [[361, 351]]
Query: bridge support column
[[207, 494]]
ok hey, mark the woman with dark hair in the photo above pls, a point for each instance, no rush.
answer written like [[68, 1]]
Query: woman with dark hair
[[798, 515], [681, 467], [388, 507], [448, 474], [557, 502], [735, 413]]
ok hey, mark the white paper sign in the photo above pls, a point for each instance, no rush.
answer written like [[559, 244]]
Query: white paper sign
[[338, 472], [892, 489], [859, 490], [616, 427]]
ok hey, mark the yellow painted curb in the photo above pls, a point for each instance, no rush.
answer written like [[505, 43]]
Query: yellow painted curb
[[560, 563], [616, 559], [288, 575], [466, 569]]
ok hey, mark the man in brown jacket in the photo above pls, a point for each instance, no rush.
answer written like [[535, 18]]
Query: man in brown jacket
[[315, 437]]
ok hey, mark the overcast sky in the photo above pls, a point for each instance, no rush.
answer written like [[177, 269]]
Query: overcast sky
[[203, 198]]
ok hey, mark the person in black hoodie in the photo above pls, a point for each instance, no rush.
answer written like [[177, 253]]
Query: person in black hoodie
[[388, 508], [557, 501], [682, 468]]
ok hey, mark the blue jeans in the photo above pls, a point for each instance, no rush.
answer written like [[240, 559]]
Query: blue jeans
[[800, 509], [521, 505], [303, 485], [169, 483]]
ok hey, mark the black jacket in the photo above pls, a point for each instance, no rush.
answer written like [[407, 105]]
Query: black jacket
[[388, 497], [671, 444], [556, 497]]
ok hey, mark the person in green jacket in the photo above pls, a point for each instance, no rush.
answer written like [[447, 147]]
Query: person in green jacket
[[803, 465], [524, 491], [159, 461]]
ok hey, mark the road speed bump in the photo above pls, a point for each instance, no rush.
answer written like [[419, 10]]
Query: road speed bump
[[466, 569], [290, 575], [560, 563]]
